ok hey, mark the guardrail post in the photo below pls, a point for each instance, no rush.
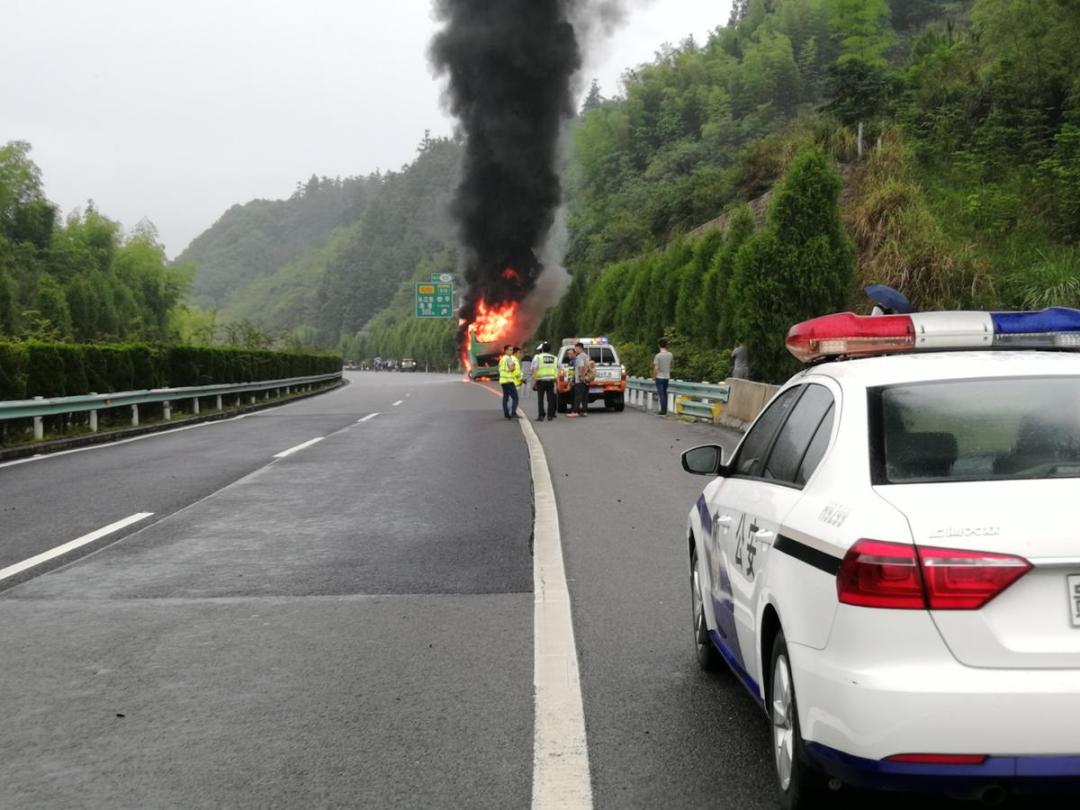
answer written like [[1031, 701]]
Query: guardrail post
[[267, 398], [220, 404], [648, 400], [134, 415], [166, 406], [93, 422], [39, 425], [195, 406]]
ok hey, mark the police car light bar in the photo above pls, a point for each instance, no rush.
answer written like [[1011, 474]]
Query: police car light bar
[[847, 335], [597, 341]]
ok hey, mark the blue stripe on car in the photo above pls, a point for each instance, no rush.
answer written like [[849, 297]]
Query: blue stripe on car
[[703, 513], [735, 663]]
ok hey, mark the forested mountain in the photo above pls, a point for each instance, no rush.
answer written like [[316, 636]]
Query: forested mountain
[[318, 266], [929, 144], [965, 192], [83, 279], [251, 241]]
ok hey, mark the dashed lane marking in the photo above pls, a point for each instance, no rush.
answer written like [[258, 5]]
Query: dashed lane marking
[[367, 418], [398, 402], [560, 751], [299, 447], [45, 556]]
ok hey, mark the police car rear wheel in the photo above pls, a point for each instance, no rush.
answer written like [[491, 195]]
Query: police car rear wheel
[[801, 785], [707, 654]]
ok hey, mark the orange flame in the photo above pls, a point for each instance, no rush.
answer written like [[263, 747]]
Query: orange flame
[[494, 323]]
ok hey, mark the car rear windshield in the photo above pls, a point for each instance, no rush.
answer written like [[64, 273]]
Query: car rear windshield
[[975, 430], [602, 355]]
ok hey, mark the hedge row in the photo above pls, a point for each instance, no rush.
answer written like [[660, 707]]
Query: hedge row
[[34, 369]]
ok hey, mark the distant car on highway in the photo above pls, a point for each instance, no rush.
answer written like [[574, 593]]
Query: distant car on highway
[[407, 364], [610, 382], [889, 561]]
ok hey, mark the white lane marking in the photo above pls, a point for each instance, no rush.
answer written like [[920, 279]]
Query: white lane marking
[[398, 402], [45, 556], [366, 418], [408, 395], [560, 750], [298, 447]]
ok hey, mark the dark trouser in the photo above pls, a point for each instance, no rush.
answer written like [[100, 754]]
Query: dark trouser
[[545, 388], [661, 394], [581, 397], [510, 394]]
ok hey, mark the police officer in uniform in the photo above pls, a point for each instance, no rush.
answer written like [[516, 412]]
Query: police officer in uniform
[[509, 369], [545, 367]]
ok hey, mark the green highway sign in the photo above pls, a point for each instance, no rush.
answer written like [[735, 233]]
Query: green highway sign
[[434, 300]]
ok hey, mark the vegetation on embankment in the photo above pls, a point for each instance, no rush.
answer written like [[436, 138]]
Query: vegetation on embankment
[[967, 192], [42, 369], [83, 279], [933, 145]]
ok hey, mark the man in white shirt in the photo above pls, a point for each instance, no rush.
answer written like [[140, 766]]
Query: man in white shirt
[[661, 369]]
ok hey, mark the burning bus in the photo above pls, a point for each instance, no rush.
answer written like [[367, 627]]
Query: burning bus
[[483, 360], [482, 339]]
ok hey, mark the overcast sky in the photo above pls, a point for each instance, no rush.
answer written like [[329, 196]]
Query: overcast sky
[[174, 110]]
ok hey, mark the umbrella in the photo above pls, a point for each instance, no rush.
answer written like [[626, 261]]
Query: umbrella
[[888, 299]]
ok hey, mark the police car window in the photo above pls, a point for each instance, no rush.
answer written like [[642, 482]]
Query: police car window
[[816, 451], [756, 444], [794, 437], [976, 430]]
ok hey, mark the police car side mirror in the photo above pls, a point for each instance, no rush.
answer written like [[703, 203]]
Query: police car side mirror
[[708, 459]]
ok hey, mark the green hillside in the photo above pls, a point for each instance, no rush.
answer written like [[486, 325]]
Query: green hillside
[[251, 241], [83, 279], [348, 247], [929, 144]]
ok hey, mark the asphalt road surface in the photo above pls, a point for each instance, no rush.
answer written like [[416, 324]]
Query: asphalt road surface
[[350, 624]]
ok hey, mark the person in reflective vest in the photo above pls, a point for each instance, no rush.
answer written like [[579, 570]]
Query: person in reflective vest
[[509, 368], [519, 371], [545, 367]]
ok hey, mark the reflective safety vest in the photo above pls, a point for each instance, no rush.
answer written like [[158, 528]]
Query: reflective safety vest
[[547, 366], [508, 369]]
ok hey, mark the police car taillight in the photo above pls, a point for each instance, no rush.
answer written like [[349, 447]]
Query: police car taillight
[[899, 576], [846, 334]]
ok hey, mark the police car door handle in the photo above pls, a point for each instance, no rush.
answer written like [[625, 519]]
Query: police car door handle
[[723, 520], [764, 535]]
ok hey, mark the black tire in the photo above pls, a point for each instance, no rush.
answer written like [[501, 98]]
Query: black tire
[[618, 403], [708, 657], [806, 787]]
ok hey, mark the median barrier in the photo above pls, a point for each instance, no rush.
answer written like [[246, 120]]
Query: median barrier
[[38, 408]]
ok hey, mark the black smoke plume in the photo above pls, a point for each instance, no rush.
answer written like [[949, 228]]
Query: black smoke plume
[[510, 65]]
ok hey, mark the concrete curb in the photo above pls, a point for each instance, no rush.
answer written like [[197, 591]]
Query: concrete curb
[[107, 436]]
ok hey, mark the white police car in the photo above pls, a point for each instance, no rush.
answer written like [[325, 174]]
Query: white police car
[[890, 560]]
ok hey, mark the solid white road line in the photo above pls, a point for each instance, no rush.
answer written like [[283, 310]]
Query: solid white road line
[[298, 447], [398, 402], [45, 556], [366, 418], [560, 750]]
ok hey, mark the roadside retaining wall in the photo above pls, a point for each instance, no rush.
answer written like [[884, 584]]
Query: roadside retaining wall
[[746, 401]]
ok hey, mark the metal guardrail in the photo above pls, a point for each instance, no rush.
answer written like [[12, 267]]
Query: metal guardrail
[[693, 399], [40, 407]]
